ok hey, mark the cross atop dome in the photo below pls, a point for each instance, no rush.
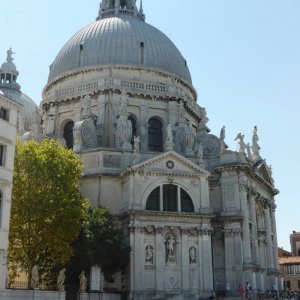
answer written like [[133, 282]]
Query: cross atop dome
[[110, 8]]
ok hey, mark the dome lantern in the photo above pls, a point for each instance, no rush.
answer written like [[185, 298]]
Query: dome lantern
[[109, 8], [9, 73]]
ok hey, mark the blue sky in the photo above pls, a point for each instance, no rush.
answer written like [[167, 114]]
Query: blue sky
[[243, 55]]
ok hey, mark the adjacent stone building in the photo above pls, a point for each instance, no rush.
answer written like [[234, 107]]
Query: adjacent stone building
[[198, 216], [290, 264], [8, 131]]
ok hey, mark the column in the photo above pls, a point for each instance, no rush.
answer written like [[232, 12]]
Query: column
[[139, 251], [207, 261], [270, 256], [233, 256], [185, 261], [159, 259], [144, 128], [275, 243], [246, 231], [263, 262], [255, 258]]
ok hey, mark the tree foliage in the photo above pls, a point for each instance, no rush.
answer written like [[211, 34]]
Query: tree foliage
[[47, 209], [99, 243]]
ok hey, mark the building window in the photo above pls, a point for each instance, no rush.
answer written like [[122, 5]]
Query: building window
[[169, 197], [297, 269], [287, 285], [68, 134], [288, 269], [4, 114], [1, 155], [155, 136]]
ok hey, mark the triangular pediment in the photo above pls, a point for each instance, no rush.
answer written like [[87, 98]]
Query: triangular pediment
[[264, 171], [169, 163]]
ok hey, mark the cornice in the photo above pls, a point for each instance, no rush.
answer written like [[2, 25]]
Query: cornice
[[246, 168], [119, 67]]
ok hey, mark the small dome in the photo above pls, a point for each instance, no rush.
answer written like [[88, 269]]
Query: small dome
[[122, 40], [8, 67]]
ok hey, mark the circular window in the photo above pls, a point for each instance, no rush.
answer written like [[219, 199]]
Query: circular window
[[170, 164]]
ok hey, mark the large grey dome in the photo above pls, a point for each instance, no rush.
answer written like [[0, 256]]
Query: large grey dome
[[121, 40]]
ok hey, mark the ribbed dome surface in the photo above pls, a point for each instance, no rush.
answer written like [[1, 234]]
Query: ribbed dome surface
[[120, 40]]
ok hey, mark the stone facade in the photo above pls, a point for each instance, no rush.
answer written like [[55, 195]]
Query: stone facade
[[197, 216], [8, 132]]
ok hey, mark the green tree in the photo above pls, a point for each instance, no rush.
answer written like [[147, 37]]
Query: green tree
[[47, 209], [100, 242]]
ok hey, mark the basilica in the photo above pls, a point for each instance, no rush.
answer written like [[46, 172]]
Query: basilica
[[199, 217]]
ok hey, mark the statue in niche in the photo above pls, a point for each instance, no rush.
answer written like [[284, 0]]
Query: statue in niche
[[192, 255], [170, 249], [149, 254], [136, 146], [82, 282], [241, 143], [61, 280]]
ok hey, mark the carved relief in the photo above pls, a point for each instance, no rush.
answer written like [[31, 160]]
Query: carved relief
[[232, 232], [193, 255], [149, 254]]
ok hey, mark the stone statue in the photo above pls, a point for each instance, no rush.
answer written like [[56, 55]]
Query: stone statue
[[123, 101], [9, 56], [61, 280], [170, 246], [192, 255], [248, 148], [34, 277], [87, 103], [255, 147], [241, 143], [200, 151], [149, 254], [169, 134], [136, 146], [222, 135], [82, 282]]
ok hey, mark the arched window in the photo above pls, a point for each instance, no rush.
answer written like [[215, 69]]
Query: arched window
[[133, 124], [68, 134], [155, 136], [169, 197]]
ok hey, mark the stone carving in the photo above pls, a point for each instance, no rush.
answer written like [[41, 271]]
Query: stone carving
[[149, 255], [124, 132], [34, 277], [255, 147], [193, 255], [232, 232], [222, 139], [82, 282], [159, 230], [61, 280], [200, 151], [123, 101], [211, 146], [86, 105], [9, 57], [169, 140], [242, 144], [170, 250], [248, 148], [84, 135], [136, 150], [189, 140]]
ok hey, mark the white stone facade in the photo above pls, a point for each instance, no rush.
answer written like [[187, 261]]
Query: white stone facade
[[8, 132], [197, 216]]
